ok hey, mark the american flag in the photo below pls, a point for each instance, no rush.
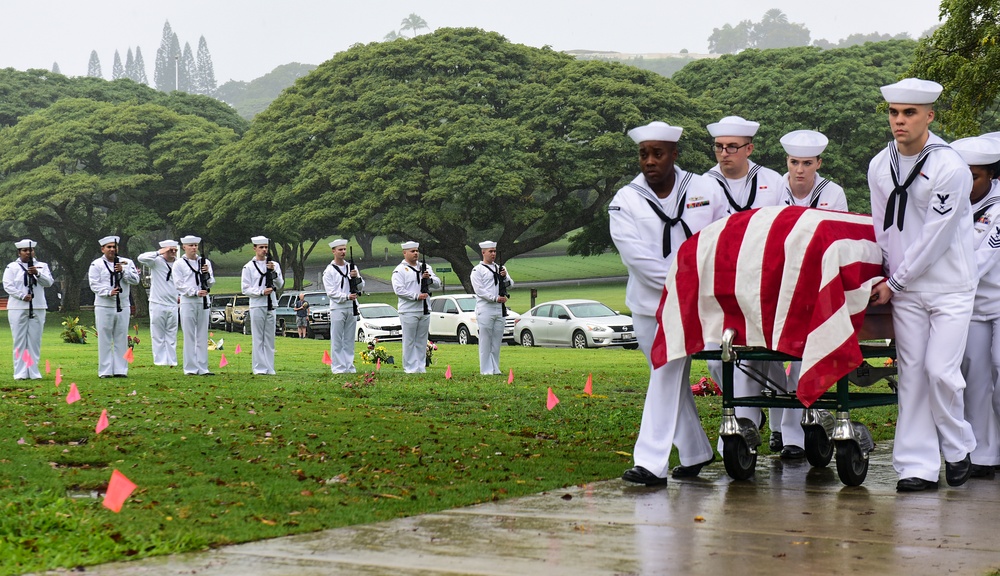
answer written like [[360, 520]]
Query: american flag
[[792, 279]]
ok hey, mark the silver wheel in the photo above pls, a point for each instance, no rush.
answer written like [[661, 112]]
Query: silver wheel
[[527, 340], [579, 339], [463, 335], [361, 335]]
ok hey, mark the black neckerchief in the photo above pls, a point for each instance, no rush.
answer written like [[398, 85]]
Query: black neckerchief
[[260, 281], [751, 177], [814, 195], [337, 268], [668, 222], [194, 273], [900, 191]]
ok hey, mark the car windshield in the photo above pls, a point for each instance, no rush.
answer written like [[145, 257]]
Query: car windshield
[[590, 310], [379, 312], [241, 301], [467, 304], [318, 299]]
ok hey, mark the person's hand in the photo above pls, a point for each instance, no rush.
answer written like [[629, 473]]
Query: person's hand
[[881, 294]]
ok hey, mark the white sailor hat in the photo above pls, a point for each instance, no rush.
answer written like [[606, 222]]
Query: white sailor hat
[[190, 239], [492, 244], [409, 245], [338, 242], [993, 135], [658, 131], [169, 244], [108, 240], [804, 143], [912, 91], [978, 151], [733, 126], [258, 240], [25, 244]]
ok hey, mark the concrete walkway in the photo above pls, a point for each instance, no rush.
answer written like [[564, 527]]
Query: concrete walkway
[[790, 519]]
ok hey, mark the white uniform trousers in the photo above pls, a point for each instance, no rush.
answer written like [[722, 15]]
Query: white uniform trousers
[[262, 327], [744, 385], [343, 330], [194, 324], [790, 422], [27, 333], [163, 333], [112, 340], [669, 416], [490, 336], [931, 331], [415, 329], [981, 367]]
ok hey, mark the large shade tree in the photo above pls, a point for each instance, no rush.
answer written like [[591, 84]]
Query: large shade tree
[[449, 138]]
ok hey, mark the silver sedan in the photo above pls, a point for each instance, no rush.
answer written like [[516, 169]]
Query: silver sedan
[[575, 323]]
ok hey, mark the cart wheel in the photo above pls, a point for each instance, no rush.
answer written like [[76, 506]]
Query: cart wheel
[[819, 447], [852, 466], [740, 461]]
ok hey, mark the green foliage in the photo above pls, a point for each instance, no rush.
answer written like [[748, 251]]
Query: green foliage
[[74, 332], [251, 98], [773, 31]]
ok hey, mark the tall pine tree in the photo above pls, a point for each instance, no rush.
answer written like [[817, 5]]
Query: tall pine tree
[[206, 71], [130, 65], [188, 70], [165, 69], [55, 68], [94, 67], [140, 68], [117, 70]]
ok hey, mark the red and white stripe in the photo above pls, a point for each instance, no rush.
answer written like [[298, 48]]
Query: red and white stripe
[[792, 279]]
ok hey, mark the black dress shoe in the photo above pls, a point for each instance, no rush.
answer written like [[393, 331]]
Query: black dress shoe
[[106, 376], [957, 473], [691, 471], [791, 452], [915, 485], [208, 374], [980, 471], [774, 443], [121, 375], [639, 475]]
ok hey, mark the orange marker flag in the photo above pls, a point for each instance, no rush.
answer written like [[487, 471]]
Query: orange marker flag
[[447, 372], [378, 364], [129, 356], [238, 349], [48, 368], [552, 400], [58, 376], [326, 358], [102, 422], [119, 489], [73, 395], [211, 334], [589, 387], [222, 361], [510, 377]]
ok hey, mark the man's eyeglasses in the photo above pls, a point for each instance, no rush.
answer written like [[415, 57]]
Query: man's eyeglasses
[[729, 148]]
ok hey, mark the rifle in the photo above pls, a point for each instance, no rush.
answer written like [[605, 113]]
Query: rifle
[[203, 276], [31, 284], [425, 284], [118, 281], [502, 290], [353, 282], [268, 276]]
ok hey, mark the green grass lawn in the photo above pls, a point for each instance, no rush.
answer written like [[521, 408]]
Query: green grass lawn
[[237, 457]]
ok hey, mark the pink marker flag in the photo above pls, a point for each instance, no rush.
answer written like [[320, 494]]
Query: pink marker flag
[[589, 387], [17, 353], [326, 358], [26, 356], [552, 400], [48, 368], [447, 372], [510, 377], [102, 422], [73, 395], [119, 489], [378, 364], [788, 369], [222, 361], [129, 356], [238, 349], [58, 376]]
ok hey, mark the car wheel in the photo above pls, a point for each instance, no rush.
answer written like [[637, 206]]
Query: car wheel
[[318, 335], [229, 327], [527, 340], [631, 346], [281, 327], [579, 339], [246, 329], [361, 335], [463, 335]]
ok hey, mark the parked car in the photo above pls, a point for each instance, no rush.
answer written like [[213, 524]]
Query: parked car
[[217, 318], [378, 321], [236, 312], [576, 323], [319, 314], [453, 317]]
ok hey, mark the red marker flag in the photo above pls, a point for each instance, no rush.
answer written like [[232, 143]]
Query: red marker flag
[[326, 358], [58, 376], [222, 361], [129, 356], [378, 364], [552, 400], [510, 377], [447, 372], [119, 489], [73, 395], [102, 422], [589, 387]]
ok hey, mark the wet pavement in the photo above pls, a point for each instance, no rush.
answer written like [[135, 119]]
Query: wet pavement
[[790, 518]]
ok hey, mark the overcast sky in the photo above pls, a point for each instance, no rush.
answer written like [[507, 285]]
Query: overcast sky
[[248, 38]]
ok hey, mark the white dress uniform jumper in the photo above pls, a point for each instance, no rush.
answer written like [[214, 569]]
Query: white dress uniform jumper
[[194, 317], [162, 308], [263, 322], [112, 325], [26, 331], [416, 324], [343, 322], [486, 281]]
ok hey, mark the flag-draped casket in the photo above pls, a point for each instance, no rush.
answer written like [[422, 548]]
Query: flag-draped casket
[[791, 279]]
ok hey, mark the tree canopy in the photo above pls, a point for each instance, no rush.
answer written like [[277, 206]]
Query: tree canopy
[[773, 31]]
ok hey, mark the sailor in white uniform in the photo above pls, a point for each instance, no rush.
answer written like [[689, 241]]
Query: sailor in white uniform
[[920, 206], [195, 316], [263, 299], [487, 278], [981, 364], [162, 302], [111, 279], [343, 321], [649, 220], [25, 280], [411, 304]]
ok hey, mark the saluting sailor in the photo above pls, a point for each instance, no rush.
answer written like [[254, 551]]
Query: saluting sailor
[[981, 363], [343, 322], [263, 322], [111, 282], [921, 211], [162, 302], [25, 281], [649, 219], [487, 277], [410, 303], [188, 270]]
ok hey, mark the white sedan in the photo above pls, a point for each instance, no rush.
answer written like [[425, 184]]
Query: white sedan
[[575, 323], [453, 317], [378, 321]]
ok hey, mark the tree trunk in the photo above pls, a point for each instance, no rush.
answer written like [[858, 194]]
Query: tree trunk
[[364, 240]]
